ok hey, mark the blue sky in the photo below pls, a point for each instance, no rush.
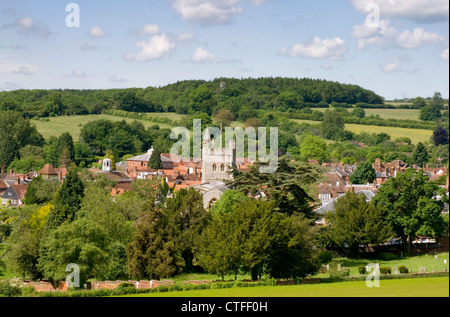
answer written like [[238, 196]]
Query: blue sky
[[141, 43]]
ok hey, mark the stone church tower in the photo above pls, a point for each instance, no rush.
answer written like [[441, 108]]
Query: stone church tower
[[217, 162]]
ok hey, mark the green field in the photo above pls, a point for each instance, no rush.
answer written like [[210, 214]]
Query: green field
[[416, 135], [399, 114], [414, 287], [72, 124]]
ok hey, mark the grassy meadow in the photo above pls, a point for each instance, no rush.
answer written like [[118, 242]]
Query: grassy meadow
[[414, 287], [73, 124], [416, 135], [398, 114]]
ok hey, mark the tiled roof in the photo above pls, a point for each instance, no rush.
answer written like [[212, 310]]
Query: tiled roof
[[48, 170]]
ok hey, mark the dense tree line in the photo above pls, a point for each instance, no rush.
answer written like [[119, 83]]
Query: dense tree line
[[190, 96]]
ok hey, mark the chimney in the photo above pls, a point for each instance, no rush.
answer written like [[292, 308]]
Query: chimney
[[11, 172], [378, 161]]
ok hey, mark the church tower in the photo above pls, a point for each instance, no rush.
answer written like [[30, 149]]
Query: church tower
[[217, 162]]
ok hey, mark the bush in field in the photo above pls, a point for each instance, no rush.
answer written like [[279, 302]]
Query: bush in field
[[362, 269], [385, 270], [403, 269], [325, 257]]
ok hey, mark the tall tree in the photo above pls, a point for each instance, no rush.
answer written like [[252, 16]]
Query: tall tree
[[332, 125], [155, 159], [355, 222], [185, 210], [67, 201], [440, 136], [15, 133], [363, 174], [287, 186], [409, 203], [152, 252], [420, 155], [313, 148]]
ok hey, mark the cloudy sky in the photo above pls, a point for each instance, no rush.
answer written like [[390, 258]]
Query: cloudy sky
[[397, 48]]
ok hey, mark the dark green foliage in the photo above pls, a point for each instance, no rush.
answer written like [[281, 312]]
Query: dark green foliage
[[155, 159], [363, 174], [192, 96], [385, 270], [256, 239], [440, 136], [386, 256], [41, 191], [152, 253], [332, 125], [82, 242], [409, 205], [403, 269], [15, 133], [420, 155], [67, 201], [362, 269], [355, 222], [8, 290], [185, 210], [325, 257], [287, 186]]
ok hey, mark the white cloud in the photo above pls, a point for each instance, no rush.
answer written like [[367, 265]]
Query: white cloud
[[118, 79], [28, 26], [206, 12], [96, 32], [333, 49], [387, 36], [7, 66], [185, 37], [203, 56], [157, 47], [23, 70], [444, 55], [392, 66], [150, 29], [421, 11], [78, 73]]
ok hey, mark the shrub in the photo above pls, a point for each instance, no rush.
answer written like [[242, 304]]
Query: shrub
[[9, 290], [362, 269], [403, 269], [385, 270], [325, 257]]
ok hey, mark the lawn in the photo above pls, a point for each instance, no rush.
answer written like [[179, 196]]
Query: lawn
[[73, 124], [414, 287], [412, 263], [416, 135]]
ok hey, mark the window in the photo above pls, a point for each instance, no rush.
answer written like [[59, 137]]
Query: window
[[214, 167], [222, 168]]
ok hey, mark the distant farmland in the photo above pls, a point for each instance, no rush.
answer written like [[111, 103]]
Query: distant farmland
[[416, 135], [398, 114], [73, 124]]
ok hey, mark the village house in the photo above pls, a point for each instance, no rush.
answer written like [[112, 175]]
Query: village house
[[14, 195]]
